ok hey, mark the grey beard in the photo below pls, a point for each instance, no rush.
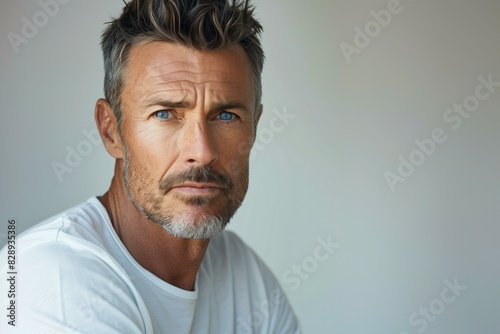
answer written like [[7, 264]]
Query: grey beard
[[206, 228], [186, 227]]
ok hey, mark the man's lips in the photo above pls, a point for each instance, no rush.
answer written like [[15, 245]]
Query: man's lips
[[196, 188]]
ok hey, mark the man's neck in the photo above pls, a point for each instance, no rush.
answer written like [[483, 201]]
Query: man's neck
[[174, 260]]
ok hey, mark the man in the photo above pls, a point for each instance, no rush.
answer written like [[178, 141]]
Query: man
[[183, 90]]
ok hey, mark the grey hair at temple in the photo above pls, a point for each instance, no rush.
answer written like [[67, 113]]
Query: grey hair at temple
[[199, 24]]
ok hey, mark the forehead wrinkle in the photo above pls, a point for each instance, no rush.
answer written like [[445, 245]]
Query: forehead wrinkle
[[183, 64], [187, 70], [191, 78], [189, 82], [189, 90], [176, 87], [173, 87]]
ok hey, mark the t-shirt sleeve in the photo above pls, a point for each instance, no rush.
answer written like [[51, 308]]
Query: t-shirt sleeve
[[272, 312], [282, 317], [63, 289]]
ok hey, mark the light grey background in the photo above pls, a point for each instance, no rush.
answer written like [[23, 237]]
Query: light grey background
[[321, 175]]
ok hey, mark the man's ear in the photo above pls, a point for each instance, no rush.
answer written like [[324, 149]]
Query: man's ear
[[108, 128]]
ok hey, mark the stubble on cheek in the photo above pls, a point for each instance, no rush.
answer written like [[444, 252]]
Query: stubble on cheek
[[140, 185]]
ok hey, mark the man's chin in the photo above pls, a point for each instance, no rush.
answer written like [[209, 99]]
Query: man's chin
[[191, 217], [190, 225]]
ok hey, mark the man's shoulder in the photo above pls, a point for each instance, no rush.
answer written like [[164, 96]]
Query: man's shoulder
[[73, 236], [69, 248], [81, 224], [69, 280]]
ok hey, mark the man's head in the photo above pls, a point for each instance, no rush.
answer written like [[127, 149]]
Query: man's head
[[183, 85]]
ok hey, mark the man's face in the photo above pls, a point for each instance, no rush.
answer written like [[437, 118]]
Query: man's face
[[187, 118]]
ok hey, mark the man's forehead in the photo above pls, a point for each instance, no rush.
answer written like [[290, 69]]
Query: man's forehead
[[164, 62], [157, 68]]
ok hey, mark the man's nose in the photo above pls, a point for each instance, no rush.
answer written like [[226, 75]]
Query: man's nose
[[198, 147]]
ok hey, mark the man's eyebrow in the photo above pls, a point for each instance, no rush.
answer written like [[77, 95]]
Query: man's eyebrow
[[184, 104], [230, 105], [165, 103]]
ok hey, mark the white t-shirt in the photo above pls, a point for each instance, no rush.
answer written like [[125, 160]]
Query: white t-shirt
[[74, 275]]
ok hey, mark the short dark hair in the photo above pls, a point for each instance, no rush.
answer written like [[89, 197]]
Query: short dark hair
[[199, 24]]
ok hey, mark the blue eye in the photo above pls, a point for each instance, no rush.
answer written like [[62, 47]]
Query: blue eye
[[162, 114], [226, 116]]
